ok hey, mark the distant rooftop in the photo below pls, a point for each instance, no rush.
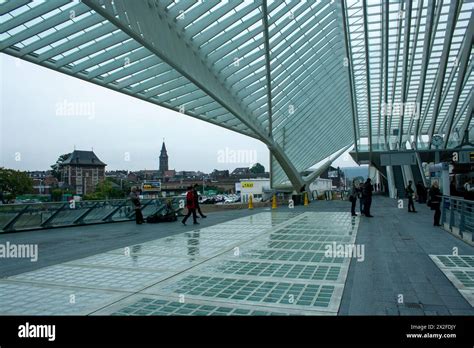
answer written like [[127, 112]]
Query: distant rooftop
[[83, 158]]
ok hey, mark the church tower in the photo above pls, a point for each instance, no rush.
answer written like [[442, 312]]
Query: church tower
[[163, 159]]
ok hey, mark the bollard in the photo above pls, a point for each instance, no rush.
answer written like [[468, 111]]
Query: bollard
[[306, 202], [274, 202], [250, 202]]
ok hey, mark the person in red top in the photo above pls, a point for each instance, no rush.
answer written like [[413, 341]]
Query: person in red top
[[191, 205]]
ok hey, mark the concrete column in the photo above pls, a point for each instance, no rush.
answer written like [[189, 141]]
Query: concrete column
[[391, 182]]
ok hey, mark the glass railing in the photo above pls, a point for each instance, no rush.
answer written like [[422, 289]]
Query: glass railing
[[458, 216], [18, 217]]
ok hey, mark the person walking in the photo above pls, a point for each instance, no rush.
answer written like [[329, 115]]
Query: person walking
[[190, 204], [353, 197], [361, 197], [135, 198], [196, 201], [410, 192], [435, 203], [367, 196]]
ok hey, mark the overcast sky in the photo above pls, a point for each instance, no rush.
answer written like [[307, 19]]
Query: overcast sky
[[37, 124]]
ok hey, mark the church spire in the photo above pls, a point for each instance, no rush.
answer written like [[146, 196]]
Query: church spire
[[163, 159], [163, 148]]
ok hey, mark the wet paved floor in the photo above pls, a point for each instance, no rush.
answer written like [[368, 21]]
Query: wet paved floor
[[398, 276], [267, 263]]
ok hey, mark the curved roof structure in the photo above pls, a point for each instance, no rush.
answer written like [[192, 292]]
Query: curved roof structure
[[306, 78]]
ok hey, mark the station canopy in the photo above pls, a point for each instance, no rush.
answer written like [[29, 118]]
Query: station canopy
[[307, 78]]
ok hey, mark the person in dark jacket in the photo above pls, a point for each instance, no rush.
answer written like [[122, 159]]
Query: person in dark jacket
[[361, 197], [190, 204], [135, 198], [421, 192], [367, 196], [410, 193], [353, 197], [196, 201], [435, 203]]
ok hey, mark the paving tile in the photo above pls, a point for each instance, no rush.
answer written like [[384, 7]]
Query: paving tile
[[280, 267]]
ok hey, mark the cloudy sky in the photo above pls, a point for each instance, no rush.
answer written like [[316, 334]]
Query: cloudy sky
[[45, 114]]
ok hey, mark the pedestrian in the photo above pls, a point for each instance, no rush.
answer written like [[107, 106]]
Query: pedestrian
[[467, 185], [196, 201], [421, 192], [135, 198], [409, 193], [367, 196], [469, 190], [190, 204], [361, 197], [353, 197], [435, 202]]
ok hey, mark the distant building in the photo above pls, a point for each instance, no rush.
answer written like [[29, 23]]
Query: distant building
[[169, 174], [38, 174], [219, 174], [336, 175], [163, 160], [319, 186], [82, 171], [44, 185], [190, 175], [116, 174], [241, 171], [132, 177], [253, 187], [147, 174]]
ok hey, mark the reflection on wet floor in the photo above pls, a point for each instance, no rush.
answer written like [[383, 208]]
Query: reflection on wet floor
[[267, 263], [193, 244]]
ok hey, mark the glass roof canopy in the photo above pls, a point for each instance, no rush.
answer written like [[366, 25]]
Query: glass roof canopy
[[402, 52], [307, 78]]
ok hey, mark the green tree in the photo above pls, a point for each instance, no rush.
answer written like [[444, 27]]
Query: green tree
[[56, 194], [125, 185], [105, 190], [257, 168], [15, 182], [55, 167]]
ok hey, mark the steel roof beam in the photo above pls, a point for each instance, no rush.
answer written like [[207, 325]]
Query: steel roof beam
[[412, 63], [452, 16], [148, 24], [33, 13], [367, 68], [468, 118], [12, 5], [406, 44], [350, 73], [42, 26], [466, 48]]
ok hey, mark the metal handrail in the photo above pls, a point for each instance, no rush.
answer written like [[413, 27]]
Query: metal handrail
[[33, 216], [458, 215]]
